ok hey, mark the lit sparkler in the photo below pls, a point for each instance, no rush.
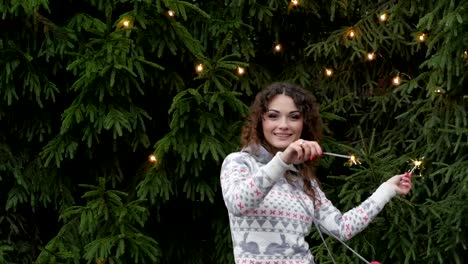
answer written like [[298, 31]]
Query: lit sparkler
[[352, 160], [417, 163]]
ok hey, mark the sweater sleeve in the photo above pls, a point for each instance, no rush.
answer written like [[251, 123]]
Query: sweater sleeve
[[243, 185], [345, 226]]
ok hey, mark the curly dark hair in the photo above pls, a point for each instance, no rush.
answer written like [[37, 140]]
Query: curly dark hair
[[252, 131]]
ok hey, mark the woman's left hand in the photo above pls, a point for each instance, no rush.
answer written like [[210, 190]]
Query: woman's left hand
[[401, 183]]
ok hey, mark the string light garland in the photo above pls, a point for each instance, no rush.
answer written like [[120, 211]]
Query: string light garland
[[351, 33]]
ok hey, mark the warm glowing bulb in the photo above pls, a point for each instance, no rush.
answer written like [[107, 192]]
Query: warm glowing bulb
[[171, 13], [240, 70], [422, 37], [351, 34], [383, 17], [199, 68], [153, 158], [295, 2], [126, 23], [370, 56], [465, 54], [329, 72], [278, 47], [396, 80]]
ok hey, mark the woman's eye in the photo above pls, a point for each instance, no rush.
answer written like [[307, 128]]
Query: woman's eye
[[272, 115], [295, 117]]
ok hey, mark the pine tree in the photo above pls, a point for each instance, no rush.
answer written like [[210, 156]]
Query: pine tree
[[90, 90]]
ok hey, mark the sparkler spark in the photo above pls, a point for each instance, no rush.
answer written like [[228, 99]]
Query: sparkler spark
[[353, 160], [417, 163]]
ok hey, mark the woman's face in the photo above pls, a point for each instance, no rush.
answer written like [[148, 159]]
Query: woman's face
[[282, 123]]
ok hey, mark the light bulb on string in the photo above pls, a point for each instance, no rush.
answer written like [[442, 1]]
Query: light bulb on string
[[199, 68], [240, 70], [295, 2], [396, 80], [328, 72], [152, 158], [421, 37], [126, 23], [351, 34], [278, 47], [383, 17], [438, 91], [371, 56], [171, 13]]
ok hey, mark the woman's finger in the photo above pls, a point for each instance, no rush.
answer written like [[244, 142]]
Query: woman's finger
[[311, 150], [307, 150], [299, 148]]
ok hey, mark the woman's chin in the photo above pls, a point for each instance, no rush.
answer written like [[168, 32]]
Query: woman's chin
[[281, 146]]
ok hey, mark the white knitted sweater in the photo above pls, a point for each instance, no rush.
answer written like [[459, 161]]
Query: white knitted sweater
[[270, 218]]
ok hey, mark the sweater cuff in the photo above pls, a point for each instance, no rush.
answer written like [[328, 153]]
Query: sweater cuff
[[277, 167], [383, 194]]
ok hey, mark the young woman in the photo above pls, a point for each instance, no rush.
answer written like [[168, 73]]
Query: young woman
[[270, 189]]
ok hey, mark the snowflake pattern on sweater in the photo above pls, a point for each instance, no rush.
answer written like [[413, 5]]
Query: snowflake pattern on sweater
[[270, 217]]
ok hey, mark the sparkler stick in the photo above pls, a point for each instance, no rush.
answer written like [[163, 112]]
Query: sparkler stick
[[337, 155]]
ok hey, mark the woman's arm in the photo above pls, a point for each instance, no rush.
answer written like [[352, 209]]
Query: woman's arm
[[355, 220]]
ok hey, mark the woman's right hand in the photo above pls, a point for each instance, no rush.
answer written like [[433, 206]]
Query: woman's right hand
[[300, 151], [401, 183]]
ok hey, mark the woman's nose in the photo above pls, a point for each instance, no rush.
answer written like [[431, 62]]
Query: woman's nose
[[283, 122]]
